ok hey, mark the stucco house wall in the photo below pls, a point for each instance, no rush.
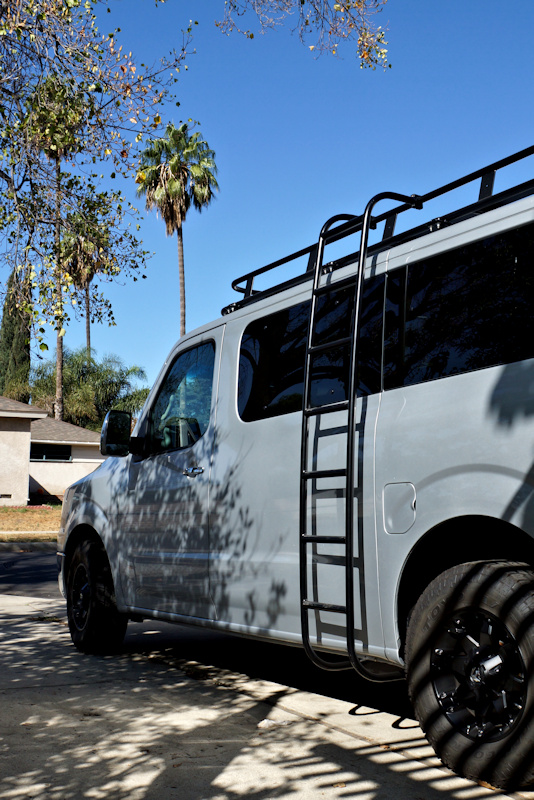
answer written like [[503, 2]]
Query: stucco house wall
[[53, 477], [62, 453], [15, 438], [14, 456], [50, 477]]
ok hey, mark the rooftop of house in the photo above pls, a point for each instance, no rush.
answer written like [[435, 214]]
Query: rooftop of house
[[15, 409], [52, 430]]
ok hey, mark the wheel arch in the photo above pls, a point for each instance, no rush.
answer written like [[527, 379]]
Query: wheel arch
[[96, 623], [454, 542], [80, 533]]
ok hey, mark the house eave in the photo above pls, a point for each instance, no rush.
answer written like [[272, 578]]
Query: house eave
[[30, 415], [64, 441]]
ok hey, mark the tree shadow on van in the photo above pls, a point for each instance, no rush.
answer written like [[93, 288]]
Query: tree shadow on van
[[512, 403], [186, 544], [512, 398]]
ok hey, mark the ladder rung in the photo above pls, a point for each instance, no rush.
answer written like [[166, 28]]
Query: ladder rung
[[330, 560], [331, 408], [339, 430], [329, 494], [324, 539], [320, 348], [324, 473], [326, 288], [324, 607]]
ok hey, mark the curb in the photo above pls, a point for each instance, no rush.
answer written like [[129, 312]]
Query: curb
[[28, 547], [28, 536], [28, 541]]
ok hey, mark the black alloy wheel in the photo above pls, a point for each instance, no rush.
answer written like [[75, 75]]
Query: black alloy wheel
[[470, 669], [478, 675], [81, 597], [95, 624]]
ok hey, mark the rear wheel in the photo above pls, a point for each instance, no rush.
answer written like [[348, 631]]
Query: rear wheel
[[470, 655], [95, 624]]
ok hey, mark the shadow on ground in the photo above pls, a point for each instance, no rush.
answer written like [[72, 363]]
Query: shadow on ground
[[176, 717], [265, 661]]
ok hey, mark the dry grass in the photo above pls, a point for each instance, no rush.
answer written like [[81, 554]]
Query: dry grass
[[30, 518]]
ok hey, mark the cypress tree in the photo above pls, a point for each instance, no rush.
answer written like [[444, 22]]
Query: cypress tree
[[14, 344]]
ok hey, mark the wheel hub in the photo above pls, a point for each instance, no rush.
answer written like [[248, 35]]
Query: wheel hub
[[478, 675], [487, 670], [81, 597]]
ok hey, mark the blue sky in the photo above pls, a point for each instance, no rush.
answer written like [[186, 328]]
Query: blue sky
[[298, 139]]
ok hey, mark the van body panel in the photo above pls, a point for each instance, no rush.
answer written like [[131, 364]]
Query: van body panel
[[91, 502], [485, 469]]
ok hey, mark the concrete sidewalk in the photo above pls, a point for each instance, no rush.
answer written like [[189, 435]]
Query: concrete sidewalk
[[150, 723]]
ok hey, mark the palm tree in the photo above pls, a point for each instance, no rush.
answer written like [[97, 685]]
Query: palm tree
[[174, 172], [92, 387], [85, 252]]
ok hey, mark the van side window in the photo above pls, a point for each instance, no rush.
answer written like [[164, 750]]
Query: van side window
[[181, 412], [463, 310], [371, 337], [271, 364], [273, 350]]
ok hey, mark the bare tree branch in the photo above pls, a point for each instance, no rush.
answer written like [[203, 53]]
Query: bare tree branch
[[321, 24]]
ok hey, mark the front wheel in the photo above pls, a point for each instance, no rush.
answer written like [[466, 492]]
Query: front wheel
[[95, 624], [470, 657]]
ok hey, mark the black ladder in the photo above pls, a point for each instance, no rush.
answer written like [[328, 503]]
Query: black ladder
[[311, 477]]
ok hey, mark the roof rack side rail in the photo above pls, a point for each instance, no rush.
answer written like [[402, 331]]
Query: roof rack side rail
[[481, 173], [352, 223], [486, 176], [248, 279]]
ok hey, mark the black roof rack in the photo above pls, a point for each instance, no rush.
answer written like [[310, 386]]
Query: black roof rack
[[349, 224]]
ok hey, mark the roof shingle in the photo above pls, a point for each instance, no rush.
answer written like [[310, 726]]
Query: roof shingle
[[52, 430], [13, 408]]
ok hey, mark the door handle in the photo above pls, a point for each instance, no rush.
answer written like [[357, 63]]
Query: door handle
[[192, 472]]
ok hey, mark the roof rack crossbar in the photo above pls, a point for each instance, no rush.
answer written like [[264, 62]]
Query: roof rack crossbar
[[350, 224], [480, 174]]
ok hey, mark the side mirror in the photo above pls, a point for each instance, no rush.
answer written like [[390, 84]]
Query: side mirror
[[115, 436]]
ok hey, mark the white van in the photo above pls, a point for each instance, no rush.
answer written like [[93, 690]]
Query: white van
[[344, 461]]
